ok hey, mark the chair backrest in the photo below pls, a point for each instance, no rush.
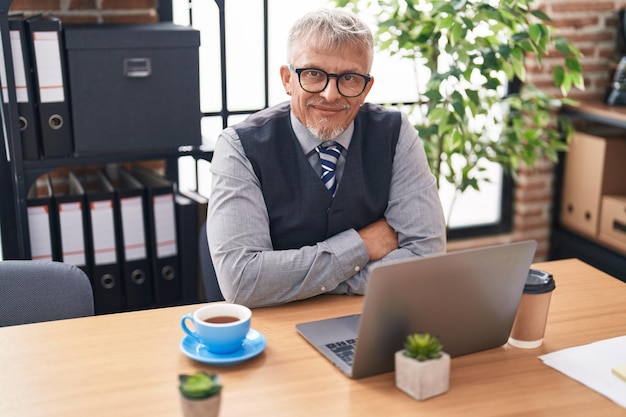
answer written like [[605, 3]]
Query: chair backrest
[[33, 291], [212, 290]]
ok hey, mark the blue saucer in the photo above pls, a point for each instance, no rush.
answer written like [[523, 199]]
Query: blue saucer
[[253, 344]]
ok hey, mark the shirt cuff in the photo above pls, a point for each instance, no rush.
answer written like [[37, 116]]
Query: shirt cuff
[[350, 252]]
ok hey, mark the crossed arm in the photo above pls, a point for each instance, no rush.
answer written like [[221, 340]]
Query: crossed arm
[[250, 272]]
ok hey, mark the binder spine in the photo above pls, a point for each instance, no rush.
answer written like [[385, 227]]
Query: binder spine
[[39, 233], [48, 57], [138, 281], [42, 230], [189, 217], [72, 234], [132, 250], [69, 198], [163, 246], [102, 253], [22, 73]]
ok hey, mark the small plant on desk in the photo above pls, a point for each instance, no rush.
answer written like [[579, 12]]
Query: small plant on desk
[[422, 346], [200, 394], [422, 368]]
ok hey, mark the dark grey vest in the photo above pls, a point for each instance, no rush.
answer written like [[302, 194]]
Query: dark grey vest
[[301, 210]]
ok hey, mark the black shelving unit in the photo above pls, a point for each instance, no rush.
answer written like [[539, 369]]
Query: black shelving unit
[[12, 180], [565, 243], [18, 175]]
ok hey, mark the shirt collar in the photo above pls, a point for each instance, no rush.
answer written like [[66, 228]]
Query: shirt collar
[[308, 142]]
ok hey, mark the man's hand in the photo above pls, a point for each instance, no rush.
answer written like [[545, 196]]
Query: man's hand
[[379, 239]]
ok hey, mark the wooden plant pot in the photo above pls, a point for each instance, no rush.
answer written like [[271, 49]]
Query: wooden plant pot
[[205, 407], [422, 380]]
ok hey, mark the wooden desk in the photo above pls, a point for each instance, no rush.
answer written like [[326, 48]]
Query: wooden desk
[[127, 364]]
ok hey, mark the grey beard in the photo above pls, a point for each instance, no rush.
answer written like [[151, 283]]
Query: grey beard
[[325, 134]]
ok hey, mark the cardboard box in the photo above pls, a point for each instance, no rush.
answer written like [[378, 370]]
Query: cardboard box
[[133, 87], [594, 167], [613, 222]]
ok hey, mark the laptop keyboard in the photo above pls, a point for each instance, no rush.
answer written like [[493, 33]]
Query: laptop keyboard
[[343, 349]]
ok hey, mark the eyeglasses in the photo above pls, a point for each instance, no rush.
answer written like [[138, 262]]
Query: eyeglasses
[[315, 80]]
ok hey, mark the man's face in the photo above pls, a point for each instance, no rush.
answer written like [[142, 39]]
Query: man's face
[[328, 113]]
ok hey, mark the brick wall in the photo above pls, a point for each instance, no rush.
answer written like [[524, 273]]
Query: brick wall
[[590, 25], [92, 11]]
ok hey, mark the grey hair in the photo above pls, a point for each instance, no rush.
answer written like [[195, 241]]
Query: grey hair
[[330, 30]]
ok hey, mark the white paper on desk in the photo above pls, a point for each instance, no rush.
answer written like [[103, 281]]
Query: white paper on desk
[[591, 365]]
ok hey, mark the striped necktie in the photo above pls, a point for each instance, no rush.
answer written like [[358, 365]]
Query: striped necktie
[[328, 157]]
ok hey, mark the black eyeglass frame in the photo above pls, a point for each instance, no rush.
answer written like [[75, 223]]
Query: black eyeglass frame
[[299, 71]]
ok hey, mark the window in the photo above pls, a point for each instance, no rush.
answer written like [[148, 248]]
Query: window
[[237, 35]]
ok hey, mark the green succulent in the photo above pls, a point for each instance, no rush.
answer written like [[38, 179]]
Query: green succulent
[[199, 385], [422, 346]]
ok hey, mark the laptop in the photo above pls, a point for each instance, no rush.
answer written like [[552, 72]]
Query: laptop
[[467, 298]]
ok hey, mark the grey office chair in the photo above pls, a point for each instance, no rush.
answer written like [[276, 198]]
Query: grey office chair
[[35, 291], [212, 290]]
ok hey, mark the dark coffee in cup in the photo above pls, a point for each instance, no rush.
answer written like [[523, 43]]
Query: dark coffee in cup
[[221, 319], [220, 327]]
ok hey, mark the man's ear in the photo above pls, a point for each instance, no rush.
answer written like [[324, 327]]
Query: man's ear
[[285, 76]]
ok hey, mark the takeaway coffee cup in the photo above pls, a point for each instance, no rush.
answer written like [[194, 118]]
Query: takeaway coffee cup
[[220, 327], [532, 314]]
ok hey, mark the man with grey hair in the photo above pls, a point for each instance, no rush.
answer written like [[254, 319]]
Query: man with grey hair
[[308, 195]]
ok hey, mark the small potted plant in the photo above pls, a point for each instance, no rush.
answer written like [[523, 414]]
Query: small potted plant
[[200, 394], [422, 368]]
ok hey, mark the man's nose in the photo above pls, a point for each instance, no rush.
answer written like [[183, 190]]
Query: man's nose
[[331, 92]]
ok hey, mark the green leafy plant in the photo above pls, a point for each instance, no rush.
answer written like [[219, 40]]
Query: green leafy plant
[[199, 385], [422, 346], [473, 51]]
